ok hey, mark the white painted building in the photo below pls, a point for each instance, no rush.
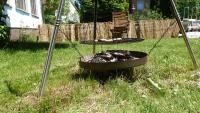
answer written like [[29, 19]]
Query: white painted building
[[24, 13], [73, 15]]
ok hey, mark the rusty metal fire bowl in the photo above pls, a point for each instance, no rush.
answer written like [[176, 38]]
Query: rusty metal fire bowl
[[113, 60]]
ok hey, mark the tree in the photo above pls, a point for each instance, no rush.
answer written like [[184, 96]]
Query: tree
[[162, 6], [104, 10], [4, 29], [192, 4], [3, 16], [50, 7]]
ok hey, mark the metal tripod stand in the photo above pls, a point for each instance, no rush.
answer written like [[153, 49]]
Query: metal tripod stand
[[55, 32]]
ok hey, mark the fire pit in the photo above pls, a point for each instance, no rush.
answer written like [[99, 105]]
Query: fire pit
[[113, 60]]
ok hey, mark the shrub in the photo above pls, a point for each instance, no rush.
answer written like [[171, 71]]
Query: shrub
[[4, 34], [4, 29], [27, 38], [105, 9], [148, 14]]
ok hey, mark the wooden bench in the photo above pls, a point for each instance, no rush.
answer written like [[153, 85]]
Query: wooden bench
[[120, 23]]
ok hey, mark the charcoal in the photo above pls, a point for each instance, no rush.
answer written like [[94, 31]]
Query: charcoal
[[122, 54], [114, 60], [106, 55], [98, 60], [112, 56]]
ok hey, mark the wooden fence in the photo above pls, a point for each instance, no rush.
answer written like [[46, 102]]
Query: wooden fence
[[148, 29]]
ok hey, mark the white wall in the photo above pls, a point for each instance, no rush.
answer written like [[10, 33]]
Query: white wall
[[22, 19], [73, 15]]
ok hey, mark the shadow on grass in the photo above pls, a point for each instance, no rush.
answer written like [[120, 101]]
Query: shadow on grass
[[33, 46], [129, 75]]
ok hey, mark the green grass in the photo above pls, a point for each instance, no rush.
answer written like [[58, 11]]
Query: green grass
[[68, 90]]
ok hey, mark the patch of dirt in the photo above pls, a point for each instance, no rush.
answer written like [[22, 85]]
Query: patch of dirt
[[142, 90], [168, 82], [63, 90], [32, 99], [92, 102], [75, 69]]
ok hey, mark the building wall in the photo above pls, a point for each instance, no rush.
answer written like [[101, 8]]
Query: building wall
[[73, 14], [23, 19]]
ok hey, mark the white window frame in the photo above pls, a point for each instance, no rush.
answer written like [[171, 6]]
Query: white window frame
[[34, 10], [8, 2], [22, 6]]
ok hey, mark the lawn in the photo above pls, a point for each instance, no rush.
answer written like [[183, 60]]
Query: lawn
[[70, 90]]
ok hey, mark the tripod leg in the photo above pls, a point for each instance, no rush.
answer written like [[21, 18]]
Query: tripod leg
[[51, 48], [178, 19]]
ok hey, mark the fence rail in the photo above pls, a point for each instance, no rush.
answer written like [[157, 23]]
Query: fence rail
[[149, 29]]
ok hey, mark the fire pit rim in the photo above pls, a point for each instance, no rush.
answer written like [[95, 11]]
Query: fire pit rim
[[105, 66]]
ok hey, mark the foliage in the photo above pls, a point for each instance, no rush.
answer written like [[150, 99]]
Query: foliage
[[163, 7], [147, 14], [27, 38], [160, 9], [4, 29], [50, 7], [154, 14], [193, 6], [104, 10], [4, 34], [166, 9]]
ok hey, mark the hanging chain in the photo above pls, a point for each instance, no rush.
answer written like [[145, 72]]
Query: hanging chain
[[76, 49], [162, 36]]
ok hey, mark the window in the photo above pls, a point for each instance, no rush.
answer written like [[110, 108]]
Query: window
[[8, 2], [140, 5], [33, 7], [21, 4]]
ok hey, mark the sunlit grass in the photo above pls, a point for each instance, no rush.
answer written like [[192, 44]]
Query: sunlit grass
[[169, 65]]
